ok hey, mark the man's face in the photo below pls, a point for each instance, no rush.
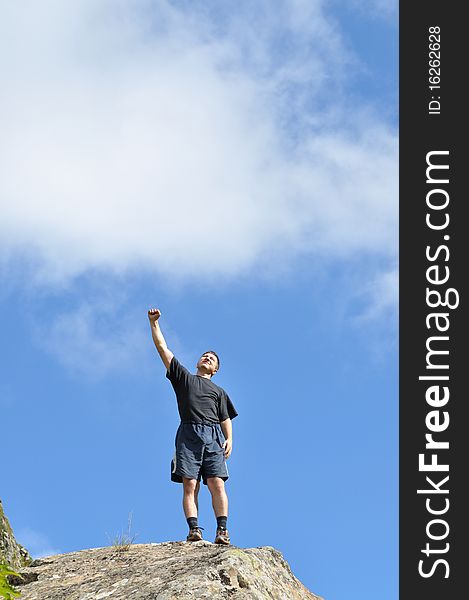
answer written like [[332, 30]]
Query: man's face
[[208, 363]]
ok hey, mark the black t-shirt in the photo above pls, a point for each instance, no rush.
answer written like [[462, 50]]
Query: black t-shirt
[[199, 399]]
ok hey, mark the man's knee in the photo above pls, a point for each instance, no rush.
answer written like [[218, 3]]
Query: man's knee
[[215, 484], [190, 485]]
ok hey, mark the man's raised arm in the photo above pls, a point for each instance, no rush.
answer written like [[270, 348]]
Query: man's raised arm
[[166, 355]]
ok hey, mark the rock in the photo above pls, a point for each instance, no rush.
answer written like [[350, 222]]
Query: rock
[[165, 571], [11, 552]]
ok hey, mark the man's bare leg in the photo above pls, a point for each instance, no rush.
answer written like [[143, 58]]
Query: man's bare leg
[[196, 496], [216, 485], [191, 505], [190, 498]]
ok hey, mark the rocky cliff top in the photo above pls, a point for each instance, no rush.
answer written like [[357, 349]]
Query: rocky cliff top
[[165, 571]]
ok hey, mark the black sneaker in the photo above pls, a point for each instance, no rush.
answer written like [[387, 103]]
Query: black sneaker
[[195, 534], [222, 537]]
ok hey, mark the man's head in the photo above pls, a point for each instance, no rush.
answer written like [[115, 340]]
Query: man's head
[[208, 363]]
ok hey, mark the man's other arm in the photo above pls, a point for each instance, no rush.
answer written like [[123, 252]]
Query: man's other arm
[[160, 343], [227, 428]]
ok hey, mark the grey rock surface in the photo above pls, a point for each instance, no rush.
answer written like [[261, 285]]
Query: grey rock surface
[[165, 571], [11, 552]]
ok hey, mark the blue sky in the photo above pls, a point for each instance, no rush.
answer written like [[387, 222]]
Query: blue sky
[[236, 166]]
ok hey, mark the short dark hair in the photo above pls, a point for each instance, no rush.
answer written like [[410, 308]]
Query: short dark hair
[[215, 354]]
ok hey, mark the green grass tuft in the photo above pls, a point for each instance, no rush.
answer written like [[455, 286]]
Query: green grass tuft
[[122, 541]]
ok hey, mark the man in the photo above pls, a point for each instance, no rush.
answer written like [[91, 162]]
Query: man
[[204, 438]]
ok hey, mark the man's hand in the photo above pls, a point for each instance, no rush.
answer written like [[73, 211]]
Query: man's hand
[[227, 429], [227, 447], [154, 314], [160, 343]]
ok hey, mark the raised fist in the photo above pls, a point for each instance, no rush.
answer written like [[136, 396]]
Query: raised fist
[[154, 314]]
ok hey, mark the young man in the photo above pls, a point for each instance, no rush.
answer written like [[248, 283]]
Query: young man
[[204, 438]]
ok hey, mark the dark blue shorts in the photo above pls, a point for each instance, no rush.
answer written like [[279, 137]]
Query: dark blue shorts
[[199, 452]]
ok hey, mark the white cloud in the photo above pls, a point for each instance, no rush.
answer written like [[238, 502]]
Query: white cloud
[[377, 8], [36, 543], [138, 135], [381, 296], [95, 338]]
